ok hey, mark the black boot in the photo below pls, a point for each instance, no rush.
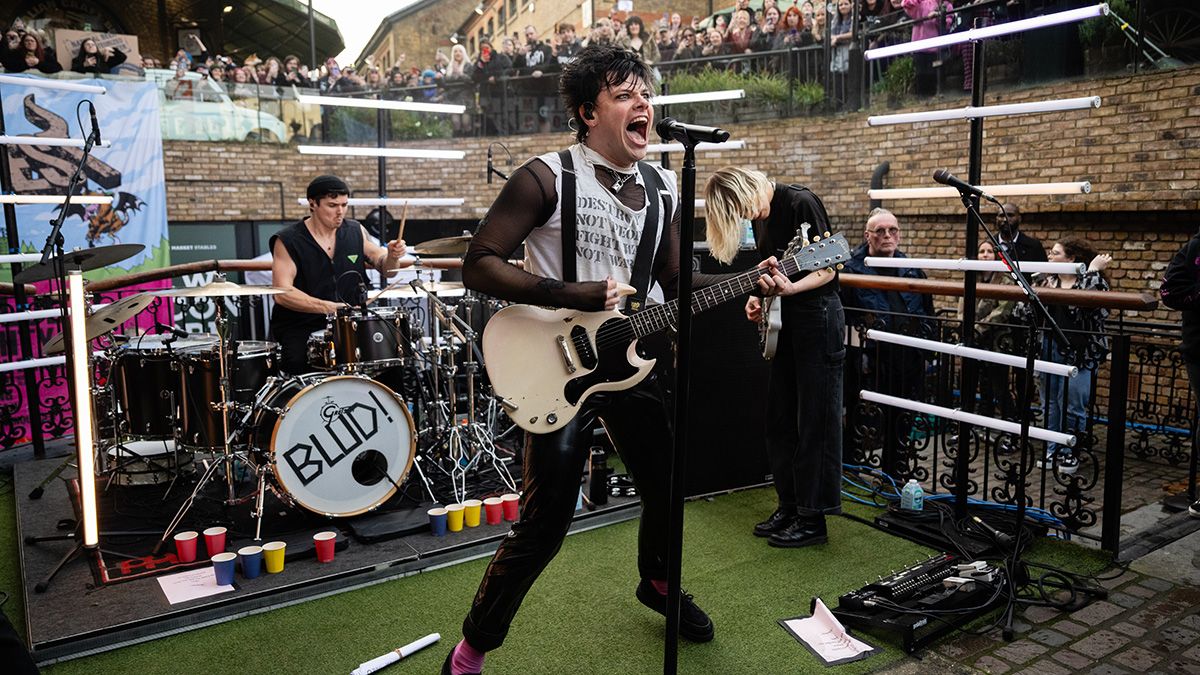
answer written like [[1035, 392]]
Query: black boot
[[777, 522], [804, 531]]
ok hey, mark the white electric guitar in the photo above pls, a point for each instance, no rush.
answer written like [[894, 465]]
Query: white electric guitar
[[771, 320], [543, 362]]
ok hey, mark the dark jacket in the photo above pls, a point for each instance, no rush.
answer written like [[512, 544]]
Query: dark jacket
[[876, 301], [1181, 290], [102, 66]]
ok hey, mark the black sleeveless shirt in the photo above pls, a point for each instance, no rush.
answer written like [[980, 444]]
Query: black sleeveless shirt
[[335, 279]]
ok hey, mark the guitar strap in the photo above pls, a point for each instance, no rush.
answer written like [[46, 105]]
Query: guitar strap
[[656, 209]]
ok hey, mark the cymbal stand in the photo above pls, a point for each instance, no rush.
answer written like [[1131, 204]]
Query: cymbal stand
[[228, 455], [471, 444]]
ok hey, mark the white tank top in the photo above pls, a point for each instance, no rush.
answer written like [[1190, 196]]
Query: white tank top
[[607, 232]]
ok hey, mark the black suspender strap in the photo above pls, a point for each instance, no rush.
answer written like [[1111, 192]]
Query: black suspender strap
[[643, 263], [567, 216]]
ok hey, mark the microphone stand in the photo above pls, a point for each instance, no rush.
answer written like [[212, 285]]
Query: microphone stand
[[1041, 319], [683, 353]]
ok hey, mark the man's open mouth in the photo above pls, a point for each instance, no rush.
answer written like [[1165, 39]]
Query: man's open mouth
[[638, 129]]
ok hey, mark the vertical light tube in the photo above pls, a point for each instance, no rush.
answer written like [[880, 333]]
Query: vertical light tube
[[84, 437]]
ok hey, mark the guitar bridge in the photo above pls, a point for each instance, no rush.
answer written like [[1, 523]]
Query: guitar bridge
[[563, 349]]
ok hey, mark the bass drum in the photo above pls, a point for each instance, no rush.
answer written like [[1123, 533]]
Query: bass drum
[[338, 445]]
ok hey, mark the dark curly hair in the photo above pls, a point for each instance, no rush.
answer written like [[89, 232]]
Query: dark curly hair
[[597, 67]]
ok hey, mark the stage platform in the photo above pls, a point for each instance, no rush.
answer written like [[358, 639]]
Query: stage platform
[[77, 615]]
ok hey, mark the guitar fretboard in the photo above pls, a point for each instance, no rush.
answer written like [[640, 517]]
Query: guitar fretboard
[[818, 255]]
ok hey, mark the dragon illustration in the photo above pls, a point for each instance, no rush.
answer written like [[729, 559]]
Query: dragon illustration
[[40, 169]]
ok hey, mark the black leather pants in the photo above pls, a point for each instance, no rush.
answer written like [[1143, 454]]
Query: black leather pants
[[638, 424]]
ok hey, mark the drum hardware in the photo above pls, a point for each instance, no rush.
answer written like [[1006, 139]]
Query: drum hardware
[[217, 288], [468, 445], [446, 246]]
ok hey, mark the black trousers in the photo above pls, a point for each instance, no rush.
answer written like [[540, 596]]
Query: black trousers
[[804, 407], [637, 422]]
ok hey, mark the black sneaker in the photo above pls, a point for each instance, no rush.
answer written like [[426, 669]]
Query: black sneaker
[[694, 624], [801, 533], [1194, 509], [777, 522], [1066, 464]]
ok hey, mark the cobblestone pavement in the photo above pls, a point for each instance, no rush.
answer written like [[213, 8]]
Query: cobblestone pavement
[[1149, 623]]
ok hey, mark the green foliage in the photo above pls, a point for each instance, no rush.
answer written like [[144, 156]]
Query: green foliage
[[809, 93], [761, 88], [899, 78], [1106, 30], [411, 126]]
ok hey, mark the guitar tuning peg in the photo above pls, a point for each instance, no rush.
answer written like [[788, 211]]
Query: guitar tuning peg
[[840, 266], [827, 233], [815, 239]]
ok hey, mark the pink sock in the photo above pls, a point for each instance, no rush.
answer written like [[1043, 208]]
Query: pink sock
[[466, 659], [660, 586]]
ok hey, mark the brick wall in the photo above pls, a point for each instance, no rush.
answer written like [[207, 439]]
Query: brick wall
[[1140, 150]]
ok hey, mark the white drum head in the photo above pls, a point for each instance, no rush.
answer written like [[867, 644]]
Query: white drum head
[[343, 445]]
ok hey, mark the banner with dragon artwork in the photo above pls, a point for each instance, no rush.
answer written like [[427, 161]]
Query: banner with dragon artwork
[[131, 170]]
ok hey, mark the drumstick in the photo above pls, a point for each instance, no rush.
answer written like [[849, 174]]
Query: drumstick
[[403, 220]]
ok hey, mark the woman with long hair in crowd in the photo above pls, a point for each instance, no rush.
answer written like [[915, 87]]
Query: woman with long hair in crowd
[[33, 55], [639, 41], [92, 59], [1087, 349], [740, 34]]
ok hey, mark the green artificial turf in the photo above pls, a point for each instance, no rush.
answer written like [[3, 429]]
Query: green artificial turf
[[580, 617]]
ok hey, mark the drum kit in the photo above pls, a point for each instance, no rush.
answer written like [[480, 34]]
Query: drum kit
[[336, 441]]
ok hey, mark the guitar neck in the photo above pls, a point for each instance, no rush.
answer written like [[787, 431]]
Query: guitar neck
[[829, 252]]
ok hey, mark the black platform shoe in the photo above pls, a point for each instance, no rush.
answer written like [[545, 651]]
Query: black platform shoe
[[802, 532], [777, 522]]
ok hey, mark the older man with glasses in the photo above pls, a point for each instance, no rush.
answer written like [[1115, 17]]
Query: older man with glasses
[[884, 367]]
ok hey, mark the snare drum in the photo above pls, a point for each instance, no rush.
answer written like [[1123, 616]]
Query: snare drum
[[145, 376], [338, 445], [147, 463], [381, 338]]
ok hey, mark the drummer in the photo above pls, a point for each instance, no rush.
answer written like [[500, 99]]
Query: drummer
[[322, 261]]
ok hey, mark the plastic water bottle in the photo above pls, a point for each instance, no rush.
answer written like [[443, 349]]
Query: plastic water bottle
[[912, 497], [748, 234]]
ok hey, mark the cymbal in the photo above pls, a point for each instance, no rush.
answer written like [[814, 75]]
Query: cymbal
[[219, 289], [445, 246], [105, 319], [84, 259], [441, 288]]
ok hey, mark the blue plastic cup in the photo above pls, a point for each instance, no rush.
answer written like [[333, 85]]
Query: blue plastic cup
[[252, 559], [223, 567], [437, 521]]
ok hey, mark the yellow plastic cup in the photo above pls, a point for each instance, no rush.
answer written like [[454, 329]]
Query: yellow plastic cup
[[471, 509], [454, 517], [273, 555]]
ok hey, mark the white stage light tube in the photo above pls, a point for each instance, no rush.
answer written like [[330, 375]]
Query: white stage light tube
[[971, 112], [1008, 28], [33, 363], [700, 147], [382, 105], [50, 142], [362, 151], [699, 97], [55, 199], [20, 258], [84, 441], [1014, 190], [52, 84], [398, 201], [976, 265], [1039, 365], [1037, 433], [38, 314]]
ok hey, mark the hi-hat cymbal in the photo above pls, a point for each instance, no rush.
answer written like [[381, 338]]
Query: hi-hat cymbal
[[219, 289], [84, 259], [440, 288], [445, 246], [105, 319]]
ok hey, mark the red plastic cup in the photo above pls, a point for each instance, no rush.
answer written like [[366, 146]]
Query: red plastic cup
[[493, 510], [185, 546], [510, 505], [325, 541], [214, 540]]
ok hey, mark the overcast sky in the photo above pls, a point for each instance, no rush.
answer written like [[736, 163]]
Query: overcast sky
[[357, 19]]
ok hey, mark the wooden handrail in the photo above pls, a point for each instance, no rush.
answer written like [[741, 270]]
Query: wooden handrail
[[1051, 296]]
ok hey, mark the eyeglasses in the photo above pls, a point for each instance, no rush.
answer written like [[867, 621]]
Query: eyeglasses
[[881, 231]]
